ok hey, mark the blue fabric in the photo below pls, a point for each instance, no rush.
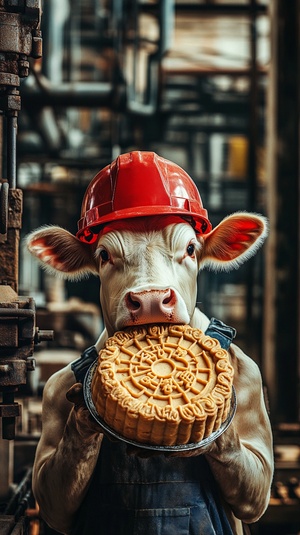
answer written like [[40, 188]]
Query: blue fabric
[[158, 495]]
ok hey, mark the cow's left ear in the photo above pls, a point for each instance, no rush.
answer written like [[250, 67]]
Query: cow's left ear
[[233, 241], [61, 253]]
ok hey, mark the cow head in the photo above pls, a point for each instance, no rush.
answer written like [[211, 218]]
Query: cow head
[[148, 266]]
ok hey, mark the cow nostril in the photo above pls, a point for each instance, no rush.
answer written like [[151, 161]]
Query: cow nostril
[[131, 303], [169, 298]]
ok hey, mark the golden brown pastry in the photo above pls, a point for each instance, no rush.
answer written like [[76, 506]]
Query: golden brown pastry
[[163, 384]]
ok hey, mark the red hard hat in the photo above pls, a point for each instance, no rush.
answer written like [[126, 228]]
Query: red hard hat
[[139, 184]]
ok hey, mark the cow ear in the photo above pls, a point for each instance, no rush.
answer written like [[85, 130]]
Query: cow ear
[[233, 241], [61, 252]]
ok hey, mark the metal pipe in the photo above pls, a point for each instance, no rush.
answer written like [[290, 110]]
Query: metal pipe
[[79, 94], [12, 125], [8, 422], [16, 312], [212, 9]]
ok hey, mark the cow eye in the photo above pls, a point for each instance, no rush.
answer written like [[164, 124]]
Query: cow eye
[[104, 255], [190, 249]]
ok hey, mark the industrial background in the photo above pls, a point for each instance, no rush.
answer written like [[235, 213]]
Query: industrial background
[[213, 86]]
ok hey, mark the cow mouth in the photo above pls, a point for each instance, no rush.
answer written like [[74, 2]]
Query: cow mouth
[[152, 320]]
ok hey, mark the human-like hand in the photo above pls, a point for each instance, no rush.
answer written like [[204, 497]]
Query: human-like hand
[[85, 423]]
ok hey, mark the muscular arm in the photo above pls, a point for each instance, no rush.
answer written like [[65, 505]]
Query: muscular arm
[[66, 454], [242, 458]]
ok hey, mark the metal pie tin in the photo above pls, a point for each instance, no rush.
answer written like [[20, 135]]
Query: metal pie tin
[[163, 449]]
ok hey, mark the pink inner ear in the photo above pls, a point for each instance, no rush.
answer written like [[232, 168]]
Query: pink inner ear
[[232, 238], [238, 237], [246, 224], [61, 251], [41, 250], [237, 246], [38, 243], [36, 246]]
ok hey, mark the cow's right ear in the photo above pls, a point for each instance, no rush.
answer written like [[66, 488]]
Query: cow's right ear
[[62, 253]]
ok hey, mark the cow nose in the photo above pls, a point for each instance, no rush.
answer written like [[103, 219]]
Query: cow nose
[[151, 305]]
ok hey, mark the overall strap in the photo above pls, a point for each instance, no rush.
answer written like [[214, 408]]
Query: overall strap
[[223, 333], [81, 365]]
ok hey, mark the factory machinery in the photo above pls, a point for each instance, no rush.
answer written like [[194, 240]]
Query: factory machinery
[[81, 82]]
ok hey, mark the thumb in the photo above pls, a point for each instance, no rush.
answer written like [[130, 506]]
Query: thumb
[[75, 395]]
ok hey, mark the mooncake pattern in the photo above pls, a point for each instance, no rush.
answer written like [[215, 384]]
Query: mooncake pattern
[[163, 384]]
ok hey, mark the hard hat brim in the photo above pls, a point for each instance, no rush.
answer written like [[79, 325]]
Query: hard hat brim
[[93, 219]]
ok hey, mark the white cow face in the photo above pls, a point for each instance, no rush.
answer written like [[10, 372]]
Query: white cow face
[[148, 266], [148, 276]]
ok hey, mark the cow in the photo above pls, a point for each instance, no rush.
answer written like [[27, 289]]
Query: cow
[[144, 232]]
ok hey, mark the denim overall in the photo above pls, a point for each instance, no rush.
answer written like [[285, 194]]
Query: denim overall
[[158, 495]]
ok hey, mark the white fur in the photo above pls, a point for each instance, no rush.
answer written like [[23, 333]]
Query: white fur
[[241, 459]]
